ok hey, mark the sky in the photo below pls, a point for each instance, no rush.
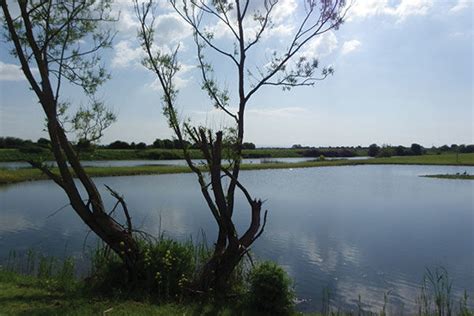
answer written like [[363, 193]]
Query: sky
[[403, 74]]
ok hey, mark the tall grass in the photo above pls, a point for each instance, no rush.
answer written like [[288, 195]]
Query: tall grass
[[436, 298], [47, 270]]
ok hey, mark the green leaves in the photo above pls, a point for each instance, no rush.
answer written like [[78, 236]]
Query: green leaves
[[90, 123]]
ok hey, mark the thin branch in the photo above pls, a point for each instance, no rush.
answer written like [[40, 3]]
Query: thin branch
[[59, 181], [120, 200]]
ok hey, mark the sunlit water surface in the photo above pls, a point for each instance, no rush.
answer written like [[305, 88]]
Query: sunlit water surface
[[354, 230]]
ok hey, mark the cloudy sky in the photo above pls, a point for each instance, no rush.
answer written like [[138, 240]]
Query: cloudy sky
[[403, 74]]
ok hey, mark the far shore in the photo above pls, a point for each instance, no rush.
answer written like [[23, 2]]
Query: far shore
[[8, 176]]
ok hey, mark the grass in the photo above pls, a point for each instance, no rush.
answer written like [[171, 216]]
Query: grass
[[30, 295], [26, 295], [19, 175]]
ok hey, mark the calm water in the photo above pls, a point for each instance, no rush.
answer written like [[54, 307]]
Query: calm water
[[354, 230], [174, 162]]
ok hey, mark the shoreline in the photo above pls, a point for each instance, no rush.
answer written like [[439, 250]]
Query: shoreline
[[11, 176]]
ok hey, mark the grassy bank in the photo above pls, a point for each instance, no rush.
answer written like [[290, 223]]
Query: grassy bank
[[20, 175], [29, 295]]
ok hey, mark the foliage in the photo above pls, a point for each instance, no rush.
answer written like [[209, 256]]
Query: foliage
[[90, 122], [270, 290], [416, 149], [166, 269], [248, 145], [118, 144], [329, 152], [385, 152], [373, 150], [49, 272], [12, 142]]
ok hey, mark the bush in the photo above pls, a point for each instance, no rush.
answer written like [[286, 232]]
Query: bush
[[166, 270], [248, 146], [118, 144], [271, 290], [385, 152], [373, 150]]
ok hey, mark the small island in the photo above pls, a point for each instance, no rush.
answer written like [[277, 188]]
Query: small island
[[456, 176]]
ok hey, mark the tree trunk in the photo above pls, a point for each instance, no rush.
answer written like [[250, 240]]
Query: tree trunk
[[216, 273]]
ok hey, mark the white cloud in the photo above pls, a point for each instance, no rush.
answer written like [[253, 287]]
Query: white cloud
[[461, 5], [284, 9], [412, 7], [322, 46], [126, 55], [171, 28], [400, 10], [350, 46], [10, 72]]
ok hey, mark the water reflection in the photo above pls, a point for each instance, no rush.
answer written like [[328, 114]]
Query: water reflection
[[11, 222], [361, 230]]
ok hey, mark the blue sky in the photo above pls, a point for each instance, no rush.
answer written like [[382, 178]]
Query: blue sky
[[403, 74]]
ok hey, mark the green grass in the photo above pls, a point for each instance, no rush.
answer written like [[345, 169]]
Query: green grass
[[26, 295], [20, 175], [29, 295]]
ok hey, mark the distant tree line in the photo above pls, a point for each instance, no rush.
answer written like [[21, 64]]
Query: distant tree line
[[18, 143], [374, 150], [162, 144], [415, 150]]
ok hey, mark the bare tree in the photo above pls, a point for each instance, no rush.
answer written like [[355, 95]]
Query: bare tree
[[286, 69], [61, 40]]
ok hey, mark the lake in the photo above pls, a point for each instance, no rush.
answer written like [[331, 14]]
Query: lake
[[355, 230], [172, 162]]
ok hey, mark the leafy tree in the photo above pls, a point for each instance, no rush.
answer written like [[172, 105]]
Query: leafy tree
[[118, 144], [385, 152], [158, 143], [11, 142], [444, 148], [140, 146], [89, 123], [285, 69], [400, 151], [168, 144], [61, 39], [43, 142], [373, 150], [416, 149], [248, 146]]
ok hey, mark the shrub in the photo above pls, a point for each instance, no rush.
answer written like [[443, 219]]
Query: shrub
[[166, 270], [373, 150], [270, 290], [385, 152]]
